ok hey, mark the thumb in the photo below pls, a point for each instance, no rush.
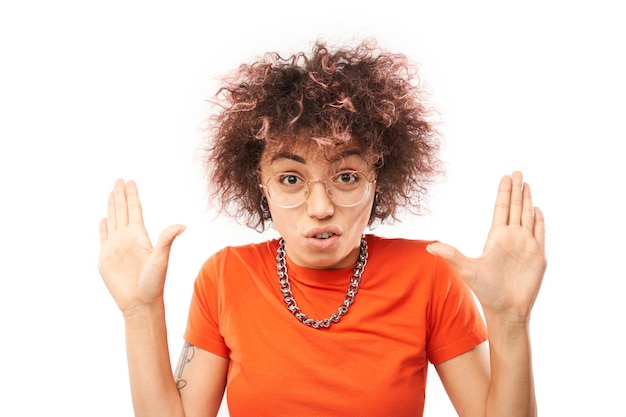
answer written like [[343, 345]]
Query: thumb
[[448, 252], [166, 238], [153, 276]]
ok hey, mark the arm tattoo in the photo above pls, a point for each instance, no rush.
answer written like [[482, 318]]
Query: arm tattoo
[[186, 356]]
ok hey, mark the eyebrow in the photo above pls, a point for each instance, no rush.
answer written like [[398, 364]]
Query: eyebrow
[[287, 155], [298, 158]]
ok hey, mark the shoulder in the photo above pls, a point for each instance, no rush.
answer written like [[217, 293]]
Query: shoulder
[[408, 255], [236, 258], [245, 253], [399, 247]]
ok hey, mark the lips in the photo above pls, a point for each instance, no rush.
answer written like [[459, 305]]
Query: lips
[[323, 233]]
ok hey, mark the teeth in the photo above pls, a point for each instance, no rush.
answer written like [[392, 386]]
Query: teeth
[[323, 235]]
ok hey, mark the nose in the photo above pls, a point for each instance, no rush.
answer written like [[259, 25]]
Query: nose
[[319, 203]]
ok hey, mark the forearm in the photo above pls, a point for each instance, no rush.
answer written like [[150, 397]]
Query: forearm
[[511, 392], [152, 384]]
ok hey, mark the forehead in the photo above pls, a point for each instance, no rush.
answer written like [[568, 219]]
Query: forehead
[[314, 154]]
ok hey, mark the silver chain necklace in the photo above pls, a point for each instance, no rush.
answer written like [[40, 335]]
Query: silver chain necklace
[[353, 288]]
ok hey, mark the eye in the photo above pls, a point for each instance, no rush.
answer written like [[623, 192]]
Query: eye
[[289, 180], [347, 178]]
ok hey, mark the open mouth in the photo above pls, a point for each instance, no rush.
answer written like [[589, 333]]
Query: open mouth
[[324, 235]]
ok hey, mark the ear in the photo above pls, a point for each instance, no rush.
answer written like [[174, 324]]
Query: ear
[[265, 207]]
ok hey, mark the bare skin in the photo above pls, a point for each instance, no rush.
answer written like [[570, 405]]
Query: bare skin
[[506, 278]]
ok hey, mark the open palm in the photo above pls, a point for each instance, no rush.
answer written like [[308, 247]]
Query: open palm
[[507, 277], [132, 269]]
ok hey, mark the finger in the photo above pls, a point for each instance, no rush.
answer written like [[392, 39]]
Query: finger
[[161, 251], [459, 261], [135, 215], [167, 236], [121, 207], [111, 220], [540, 227], [517, 199], [104, 232], [528, 212], [503, 202]]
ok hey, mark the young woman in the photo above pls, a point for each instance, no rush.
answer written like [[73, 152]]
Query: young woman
[[329, 320]]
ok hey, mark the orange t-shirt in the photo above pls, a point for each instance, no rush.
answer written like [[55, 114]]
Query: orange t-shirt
[[411, 308]]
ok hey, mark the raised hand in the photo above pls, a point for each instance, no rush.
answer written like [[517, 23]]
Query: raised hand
[[132, 269], [507, 277]]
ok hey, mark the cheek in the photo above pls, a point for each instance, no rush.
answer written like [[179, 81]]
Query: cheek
[[369, 206], [284, 220], [362, 215]]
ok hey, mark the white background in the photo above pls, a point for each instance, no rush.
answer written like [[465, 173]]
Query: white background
[[92, 91]]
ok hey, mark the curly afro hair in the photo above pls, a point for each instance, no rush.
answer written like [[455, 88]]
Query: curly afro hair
[[358, 96]]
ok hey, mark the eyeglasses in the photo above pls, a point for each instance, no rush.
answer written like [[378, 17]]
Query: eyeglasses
[[345, 188]]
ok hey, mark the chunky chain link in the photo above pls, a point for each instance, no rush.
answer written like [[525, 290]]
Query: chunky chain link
[[353, 288]]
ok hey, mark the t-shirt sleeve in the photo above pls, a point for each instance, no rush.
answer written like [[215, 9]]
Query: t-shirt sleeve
[[455, 324], [203, 328]]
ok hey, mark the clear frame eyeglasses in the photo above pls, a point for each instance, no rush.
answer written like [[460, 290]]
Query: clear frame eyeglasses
[[345, 188]]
